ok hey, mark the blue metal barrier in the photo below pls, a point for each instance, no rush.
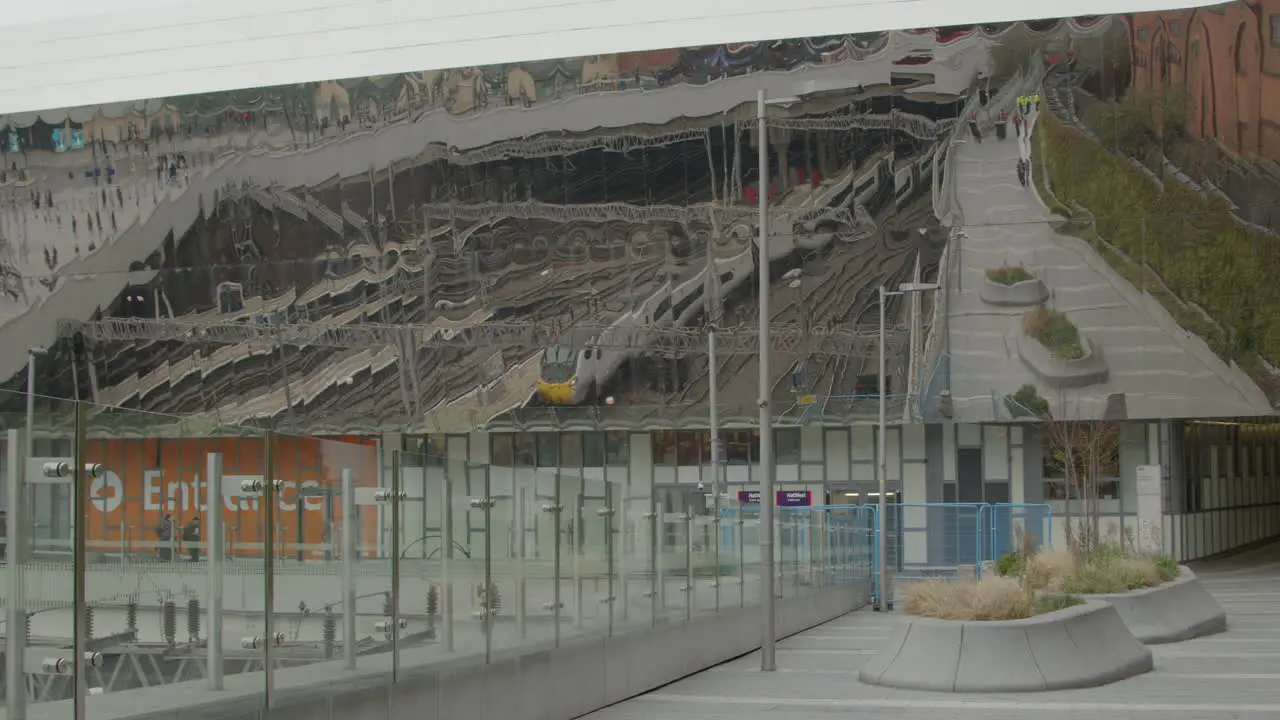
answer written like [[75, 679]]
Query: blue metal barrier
[[838, 542], [1015, 527]]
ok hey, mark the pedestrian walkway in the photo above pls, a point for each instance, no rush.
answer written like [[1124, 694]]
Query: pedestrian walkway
[[1231, 675], [1154, 366]]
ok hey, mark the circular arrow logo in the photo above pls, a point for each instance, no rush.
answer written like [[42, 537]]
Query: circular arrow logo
[[109, 500]]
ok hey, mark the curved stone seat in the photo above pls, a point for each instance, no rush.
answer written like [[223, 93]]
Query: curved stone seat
[[1027, 292], [1082, 646], [1175, 611], [1062, 374]]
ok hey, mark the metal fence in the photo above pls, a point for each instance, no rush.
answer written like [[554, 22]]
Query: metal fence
[[925, 540]]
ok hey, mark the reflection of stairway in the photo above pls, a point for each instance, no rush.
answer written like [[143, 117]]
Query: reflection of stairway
[[1059, 95]]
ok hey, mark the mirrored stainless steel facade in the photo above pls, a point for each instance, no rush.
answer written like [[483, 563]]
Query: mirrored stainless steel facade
[[540, 245]]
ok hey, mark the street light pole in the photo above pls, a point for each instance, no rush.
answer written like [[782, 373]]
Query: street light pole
[[883, 592], [768, 661], [882, 504]]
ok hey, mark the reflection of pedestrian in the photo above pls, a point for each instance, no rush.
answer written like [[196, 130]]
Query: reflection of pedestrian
[[191, 536], [164, 533]]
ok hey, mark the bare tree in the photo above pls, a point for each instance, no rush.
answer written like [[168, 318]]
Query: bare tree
[[1079, 449]]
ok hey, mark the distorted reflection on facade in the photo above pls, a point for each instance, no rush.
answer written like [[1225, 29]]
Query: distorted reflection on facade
[[543, 245]]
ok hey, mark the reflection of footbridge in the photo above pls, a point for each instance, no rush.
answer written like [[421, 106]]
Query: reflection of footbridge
[[706, 213], [917, 126], [541, 147], [278, 198], [96, 279], [533, 334]]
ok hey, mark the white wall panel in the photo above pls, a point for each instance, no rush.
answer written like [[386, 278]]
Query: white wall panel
[[913, 442], [968, 436], [1017, 476], [863, 439], [893, 454], [949, 453], [62, 54], [995, 453], [811, 443], [838, 458]]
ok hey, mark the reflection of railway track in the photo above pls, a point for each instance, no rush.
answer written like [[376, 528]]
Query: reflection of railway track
[[886, 258]]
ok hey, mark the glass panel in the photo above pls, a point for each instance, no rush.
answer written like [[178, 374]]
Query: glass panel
[[331, 567], [39, 572], [515, 497], [632, 551], [674, 571]]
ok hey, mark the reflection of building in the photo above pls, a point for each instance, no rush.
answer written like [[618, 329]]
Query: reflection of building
[[332, 103], [1228, 58]]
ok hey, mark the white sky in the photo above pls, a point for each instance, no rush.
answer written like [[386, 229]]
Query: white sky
[[61, 53]]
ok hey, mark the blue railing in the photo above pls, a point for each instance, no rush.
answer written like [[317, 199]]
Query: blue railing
[[925, 540]]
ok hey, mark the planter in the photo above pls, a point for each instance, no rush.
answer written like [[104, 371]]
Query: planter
[[1026, 293], [1175, 611], [1082, 646], [1058, 373]]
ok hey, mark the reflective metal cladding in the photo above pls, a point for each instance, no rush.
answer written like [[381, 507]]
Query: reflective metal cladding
[[545, 245]]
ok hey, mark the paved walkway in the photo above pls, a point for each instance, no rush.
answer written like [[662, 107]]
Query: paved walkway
[[1231, 675], [1161, 369]]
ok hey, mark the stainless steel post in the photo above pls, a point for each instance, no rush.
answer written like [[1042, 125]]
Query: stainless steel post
[[350, 553], [14, 611], [268, 564], [214, 554], [28, 448], [522, 610], [717, 486], [31, 400], [767, 499], [395, 566], [79, 539], [882, 505], [446, 561]]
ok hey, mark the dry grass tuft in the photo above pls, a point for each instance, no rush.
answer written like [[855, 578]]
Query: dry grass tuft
[[1098, 570], [991, 598], [1046, 570]]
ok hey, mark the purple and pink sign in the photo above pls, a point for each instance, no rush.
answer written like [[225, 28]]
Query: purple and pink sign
[[784, 498]]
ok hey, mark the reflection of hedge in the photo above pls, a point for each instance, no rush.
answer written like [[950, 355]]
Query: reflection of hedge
[[1026, 402], [1192, 241], [1008, 275], [1053, 330]]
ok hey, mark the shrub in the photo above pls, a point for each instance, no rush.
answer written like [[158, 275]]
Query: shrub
[[1010, 565], [1050, 603], [1098, 569], [1026, 402], [1008, 275], [1167, 568], [1191, 240], [991, 598], [1053, 330]]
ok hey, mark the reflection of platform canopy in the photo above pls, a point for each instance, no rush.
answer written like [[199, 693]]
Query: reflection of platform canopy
[[917, 126], [792, 338], [551, 146], [709, 213]]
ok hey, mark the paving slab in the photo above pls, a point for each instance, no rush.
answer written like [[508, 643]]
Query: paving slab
[[1233, 674]]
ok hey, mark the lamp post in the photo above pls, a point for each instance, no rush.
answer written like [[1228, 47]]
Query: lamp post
[[767, 497], [883, 600]]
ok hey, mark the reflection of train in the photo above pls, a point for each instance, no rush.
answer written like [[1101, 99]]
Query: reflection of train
[[570, 376], [573, 375]]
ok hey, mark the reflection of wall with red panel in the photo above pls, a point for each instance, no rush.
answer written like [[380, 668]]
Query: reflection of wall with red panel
[[1228, 58], [164, 476]]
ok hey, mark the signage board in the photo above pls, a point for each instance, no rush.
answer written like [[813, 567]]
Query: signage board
[[1150, 486], [784, 498]]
